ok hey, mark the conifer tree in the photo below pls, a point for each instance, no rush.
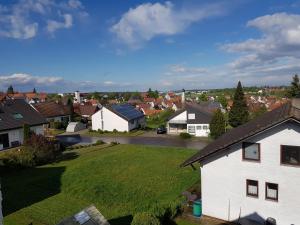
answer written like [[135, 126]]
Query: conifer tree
[[239, 113], [10, 90], [217, 124], [294, 90]]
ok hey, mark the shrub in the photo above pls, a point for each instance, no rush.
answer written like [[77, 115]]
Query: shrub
[[185, 135], [115, 131], [37, 150], [58, 125], [100, 131], [114, 143], [145, 219], [167, 211], [99, 142], [44, 150], [19, 158], [26, 131]]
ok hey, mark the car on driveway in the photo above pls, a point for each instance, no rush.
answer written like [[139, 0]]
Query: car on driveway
[[161, 130]]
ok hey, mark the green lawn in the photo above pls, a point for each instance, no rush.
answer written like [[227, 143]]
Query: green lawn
[[120, 180]]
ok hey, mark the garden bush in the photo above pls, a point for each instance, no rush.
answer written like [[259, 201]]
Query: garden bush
[[36, 150], [145, 219], [185, 135]]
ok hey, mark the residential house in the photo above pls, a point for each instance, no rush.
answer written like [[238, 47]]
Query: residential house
[[120, 117], [14, 113], [252, 172], [134, 100], [170, 95], [85, 110], [147, 109], [54, 112], [30, 97], [191, 119]]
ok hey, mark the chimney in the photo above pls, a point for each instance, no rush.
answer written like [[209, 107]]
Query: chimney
[[183, 96]]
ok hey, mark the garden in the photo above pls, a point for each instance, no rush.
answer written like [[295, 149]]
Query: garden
[[124, 182]]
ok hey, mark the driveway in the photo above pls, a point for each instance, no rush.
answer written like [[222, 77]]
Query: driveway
[[152, 139]]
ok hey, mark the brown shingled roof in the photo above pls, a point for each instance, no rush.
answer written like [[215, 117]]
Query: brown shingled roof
[[52, 109], [290, 110]]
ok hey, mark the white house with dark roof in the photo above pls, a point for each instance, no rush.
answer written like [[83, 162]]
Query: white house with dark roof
[[120, 117], [13, 115], [191, 119], [252, 172]]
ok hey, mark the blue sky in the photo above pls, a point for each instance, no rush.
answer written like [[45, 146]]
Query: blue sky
[[133, 45]]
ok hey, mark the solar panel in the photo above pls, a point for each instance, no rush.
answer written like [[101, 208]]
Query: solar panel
[[128, 111]]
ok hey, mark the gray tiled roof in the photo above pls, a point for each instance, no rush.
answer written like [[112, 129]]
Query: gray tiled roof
[[290, 110], [201, 115], [9, 108]]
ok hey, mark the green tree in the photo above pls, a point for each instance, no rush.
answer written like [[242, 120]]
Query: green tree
[[26, 131], [239, 113], [294, 90], [152, 94], [203, 97], [10, 90], [223, 101], [71, 107], [34, 90], [217, 124]]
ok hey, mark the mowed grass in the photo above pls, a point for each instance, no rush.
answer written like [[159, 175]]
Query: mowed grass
[[119, 180]]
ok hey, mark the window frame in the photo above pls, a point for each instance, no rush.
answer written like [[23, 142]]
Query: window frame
[[247, 193], [281, 154], [243, 150], [189, 128], [269, 198]]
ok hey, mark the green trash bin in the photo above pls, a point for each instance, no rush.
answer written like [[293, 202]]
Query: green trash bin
[[197, 208]]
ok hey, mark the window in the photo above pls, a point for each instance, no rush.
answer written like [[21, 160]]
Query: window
[[272, 191], [191, 116], [198, 127], [251, 151], [17, 116], [205, 127], [191, 129], [252, 188], [290, 155]]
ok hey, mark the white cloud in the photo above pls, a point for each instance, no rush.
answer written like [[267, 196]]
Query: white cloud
[[108, 83], [23, 19], [53, 25], [148, 20], [184, 70], [280, 38], [27, 79]]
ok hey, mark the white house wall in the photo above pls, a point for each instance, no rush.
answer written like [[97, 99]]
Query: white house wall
[[224, 180], [181, 116], [199, 132], [111, 121], [18, 135]]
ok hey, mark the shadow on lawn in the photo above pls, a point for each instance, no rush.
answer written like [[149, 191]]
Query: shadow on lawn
[[22, 188], [124, 220]]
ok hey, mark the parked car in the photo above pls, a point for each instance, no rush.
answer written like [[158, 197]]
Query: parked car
[[161, 130]]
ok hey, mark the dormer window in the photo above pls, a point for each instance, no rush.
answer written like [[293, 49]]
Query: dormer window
[[17, 116], [191, 116], [251, 151]]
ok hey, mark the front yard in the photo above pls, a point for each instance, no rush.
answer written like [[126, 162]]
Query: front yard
[[132, 133], [119, 180]]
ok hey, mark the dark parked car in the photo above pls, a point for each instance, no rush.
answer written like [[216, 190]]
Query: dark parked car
[[161, 130]]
